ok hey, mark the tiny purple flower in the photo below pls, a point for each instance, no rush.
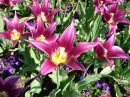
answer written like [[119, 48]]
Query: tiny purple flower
[[82, 77], [106, 87], [88, 91], [10, 69], [83, 92], [99, 84], [107, 36], [66, 68]]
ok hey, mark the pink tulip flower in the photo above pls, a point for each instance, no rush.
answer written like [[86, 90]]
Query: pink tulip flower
[[62, 51], [10, 2], [107, 50], [43, 12], [41, 34], [15, 30]]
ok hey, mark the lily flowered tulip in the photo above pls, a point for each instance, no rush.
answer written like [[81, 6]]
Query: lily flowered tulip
[[7, 87], [15, 30], [113, 16], [41, 34], [43, 12], [62, 51], [10, 2], [107, 50]]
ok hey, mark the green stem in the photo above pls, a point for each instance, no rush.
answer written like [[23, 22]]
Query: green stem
[[57, 75]]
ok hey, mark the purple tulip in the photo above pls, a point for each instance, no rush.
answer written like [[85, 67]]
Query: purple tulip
[[7, 87], [42, 11], [62, 51], [10, 2], [107, 50], [113, 16], [15, 30], [41, 34]]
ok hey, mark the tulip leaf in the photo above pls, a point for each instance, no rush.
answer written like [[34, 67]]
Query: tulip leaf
[[126, 34], [83, 83], [73, 93], [118, 92], [54, 93], [96, 26], [62, 77], [36, 86], [1, 24], [107, 70], [65, 84]]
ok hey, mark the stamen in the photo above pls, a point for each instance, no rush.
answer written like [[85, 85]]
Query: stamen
[[59, 56], [15, 35], [41, 38], [3, 94], [111, 19], [101, 2]]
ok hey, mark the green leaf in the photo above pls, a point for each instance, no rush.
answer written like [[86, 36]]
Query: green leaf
[[65, 84], [83, 83], [1, 24], [107, 70], [73, 93], [118, 92], [126, 34], [96, 26], [36, 86], [54, 92], [62, 77]]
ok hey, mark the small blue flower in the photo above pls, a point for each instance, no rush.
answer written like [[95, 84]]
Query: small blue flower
[[88, 91], [99, 84]]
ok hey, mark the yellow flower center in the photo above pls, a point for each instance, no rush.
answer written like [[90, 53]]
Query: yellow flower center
[[3, 94], [41, 38], [15, 35], [42, 16], [59, 56], [111, 19]]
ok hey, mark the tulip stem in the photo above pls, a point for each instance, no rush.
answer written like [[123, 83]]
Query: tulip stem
[[57, 75]]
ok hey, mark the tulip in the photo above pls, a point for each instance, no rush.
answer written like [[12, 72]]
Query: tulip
[[113, 16], [107, 50], [15, 30], [7, 87], [43, 12], [62, 51], [41, 34], [10, 2]]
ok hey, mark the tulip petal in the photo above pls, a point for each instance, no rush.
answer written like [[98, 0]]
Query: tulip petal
[[75, 64], [10, 82], [113, 8], [53, 12], [10, 25], [82, 47], [120, 13], [42, 46], [40, 28], [112, 28], [15, 21], [46, 6], [111, 63], [100, 51], [34, 10], [110, 42], [67, 38], [123, 20], [47, 67], [53, 38], [21, 27], [117, 52], [2, 84], [48, 32], [6, 35]]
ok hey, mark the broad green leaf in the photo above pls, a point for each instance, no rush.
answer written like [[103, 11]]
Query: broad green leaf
[[1, 24], [73, 93], [126, 34], [65, 84], [118, 92], [62, 77], [54, 92], [107, 70], [83, 83]]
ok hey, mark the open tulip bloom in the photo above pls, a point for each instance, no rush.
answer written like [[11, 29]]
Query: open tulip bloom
[[10, 2], [107, 50], [7, 87], [43, 12], [15, 30], [62, 51], [113, 16], [41, 34]]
